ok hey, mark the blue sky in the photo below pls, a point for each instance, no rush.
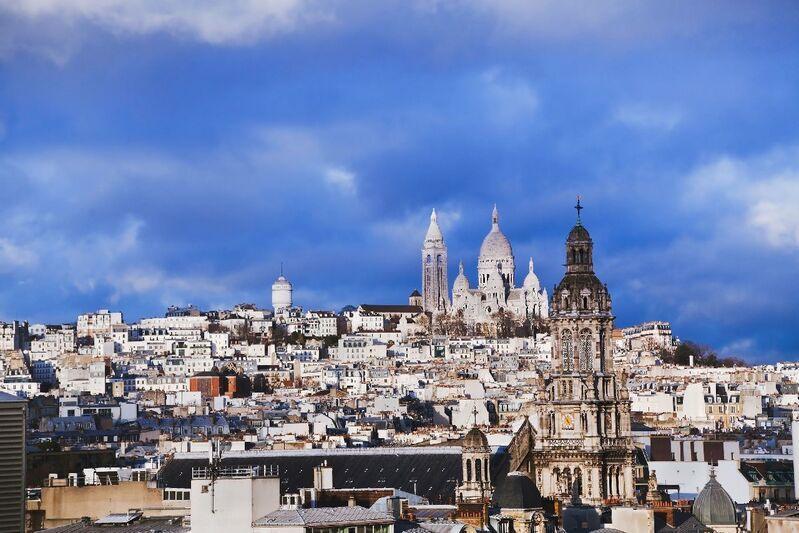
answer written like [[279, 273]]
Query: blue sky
[[167, 152]]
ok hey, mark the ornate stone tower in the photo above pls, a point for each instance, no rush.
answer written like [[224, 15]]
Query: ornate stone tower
[[476, 463], [435, 289], [584, 449]]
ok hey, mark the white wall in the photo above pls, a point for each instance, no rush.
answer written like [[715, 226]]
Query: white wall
[[692, 476], [237, 502]]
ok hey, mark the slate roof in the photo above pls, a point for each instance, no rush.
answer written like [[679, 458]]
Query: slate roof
[[145, 525], [323, 517], [431, 472], [380, 308], [517, 491]]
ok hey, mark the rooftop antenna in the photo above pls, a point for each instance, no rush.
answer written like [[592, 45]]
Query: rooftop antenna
[[579, 208], [281, 263], [214, 460]]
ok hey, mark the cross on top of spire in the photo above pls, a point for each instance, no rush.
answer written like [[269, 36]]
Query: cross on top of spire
[[579, 208]]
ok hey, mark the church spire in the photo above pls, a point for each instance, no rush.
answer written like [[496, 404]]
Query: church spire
[[495, 216], [433, 230]]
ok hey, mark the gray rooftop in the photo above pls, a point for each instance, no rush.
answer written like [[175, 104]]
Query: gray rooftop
[[324, 517]]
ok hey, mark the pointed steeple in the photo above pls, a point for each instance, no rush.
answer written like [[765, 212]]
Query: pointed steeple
[[433, 230], [460, 267], [495, 216], [531, 264]]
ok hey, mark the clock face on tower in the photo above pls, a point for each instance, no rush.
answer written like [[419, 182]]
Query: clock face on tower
[[568, 422]]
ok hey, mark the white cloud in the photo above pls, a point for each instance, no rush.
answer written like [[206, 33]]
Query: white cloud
[[407, 233], [14, 256], [341, 179], [509, 100], [738, 347], [228, 22], [759, 193], [648, 117]]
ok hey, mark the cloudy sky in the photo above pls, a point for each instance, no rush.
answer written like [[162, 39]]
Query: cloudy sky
[[167, 152]]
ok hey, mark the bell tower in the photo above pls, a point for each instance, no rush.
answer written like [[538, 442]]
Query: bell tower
[[476, 468], [435, 288], [585, 450]]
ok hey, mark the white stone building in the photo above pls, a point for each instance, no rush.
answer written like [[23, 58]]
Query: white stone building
[[101, 322], [496, 281]]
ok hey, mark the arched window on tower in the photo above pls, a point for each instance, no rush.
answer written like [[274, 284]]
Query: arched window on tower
[[478, 469], [567, 350], [586, 353], [468, 469]]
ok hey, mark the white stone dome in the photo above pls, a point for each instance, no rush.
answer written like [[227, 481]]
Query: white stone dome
[[461, 281], [281, 283], [495, 245], [531, 280]]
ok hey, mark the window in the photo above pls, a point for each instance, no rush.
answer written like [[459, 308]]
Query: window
[[567, 350], [586, 353]]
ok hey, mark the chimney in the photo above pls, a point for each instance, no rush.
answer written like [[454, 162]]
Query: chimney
[[396, 507], [323, 476], [351, 501]]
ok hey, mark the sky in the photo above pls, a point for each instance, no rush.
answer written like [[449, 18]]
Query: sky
[[175, 152]]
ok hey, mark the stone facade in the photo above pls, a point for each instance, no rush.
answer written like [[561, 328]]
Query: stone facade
[[583, 451]]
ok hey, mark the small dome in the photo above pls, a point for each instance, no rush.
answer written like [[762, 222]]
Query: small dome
[[475, 439], [578, 234], [713, 506], [461, 281], [495, 245], [517, 491], [531, 280], [281, 283]]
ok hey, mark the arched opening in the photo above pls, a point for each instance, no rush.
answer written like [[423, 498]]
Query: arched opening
[[567, 350], [585, 350], [478, 470], [468, 470]]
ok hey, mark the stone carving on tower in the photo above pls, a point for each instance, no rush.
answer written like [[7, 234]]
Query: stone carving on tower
[[583, 451], [435, 290], [496, 283]]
